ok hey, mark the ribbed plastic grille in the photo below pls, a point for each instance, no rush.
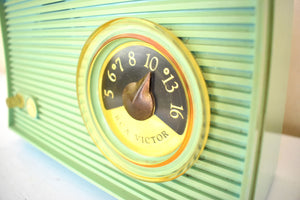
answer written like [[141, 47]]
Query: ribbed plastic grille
[[45, 38]]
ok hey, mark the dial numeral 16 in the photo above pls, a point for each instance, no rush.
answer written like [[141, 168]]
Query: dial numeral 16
[[175, 111]]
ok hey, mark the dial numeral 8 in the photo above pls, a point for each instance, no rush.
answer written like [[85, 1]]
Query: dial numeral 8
[[132, 60]]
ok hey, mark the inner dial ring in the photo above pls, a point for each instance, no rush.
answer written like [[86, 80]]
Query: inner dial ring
[[165, 130]]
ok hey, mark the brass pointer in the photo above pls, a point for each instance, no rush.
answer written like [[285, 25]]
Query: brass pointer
[[138, 99]]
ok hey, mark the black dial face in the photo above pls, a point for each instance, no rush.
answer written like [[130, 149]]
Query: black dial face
[[140, 74]]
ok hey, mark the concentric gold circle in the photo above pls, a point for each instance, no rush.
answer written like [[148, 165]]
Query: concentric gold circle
[[114, 132]]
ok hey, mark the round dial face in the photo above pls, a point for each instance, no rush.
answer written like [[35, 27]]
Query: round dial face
[[144, 99]]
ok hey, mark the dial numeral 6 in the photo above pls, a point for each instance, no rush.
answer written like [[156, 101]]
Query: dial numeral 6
[[112, 77]]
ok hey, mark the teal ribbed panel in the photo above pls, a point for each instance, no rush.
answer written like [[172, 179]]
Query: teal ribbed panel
[[45, 38]]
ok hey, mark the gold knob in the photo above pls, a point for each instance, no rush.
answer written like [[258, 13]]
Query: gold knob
[[31, 107], [15, 101]]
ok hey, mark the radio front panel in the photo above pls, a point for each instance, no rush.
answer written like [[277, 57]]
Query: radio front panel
[[44, 41]]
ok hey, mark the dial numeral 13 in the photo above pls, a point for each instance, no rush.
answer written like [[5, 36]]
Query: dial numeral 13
[[174, 85]]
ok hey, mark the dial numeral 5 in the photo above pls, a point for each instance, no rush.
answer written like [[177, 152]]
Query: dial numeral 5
[[109, 93]]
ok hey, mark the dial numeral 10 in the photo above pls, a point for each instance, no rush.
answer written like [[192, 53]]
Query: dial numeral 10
[[175, 111], [152, 63]]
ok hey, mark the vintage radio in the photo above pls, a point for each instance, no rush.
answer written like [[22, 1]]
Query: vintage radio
[[145, 99]]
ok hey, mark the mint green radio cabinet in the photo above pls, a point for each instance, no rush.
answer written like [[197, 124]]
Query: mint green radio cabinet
[[145, 99]]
